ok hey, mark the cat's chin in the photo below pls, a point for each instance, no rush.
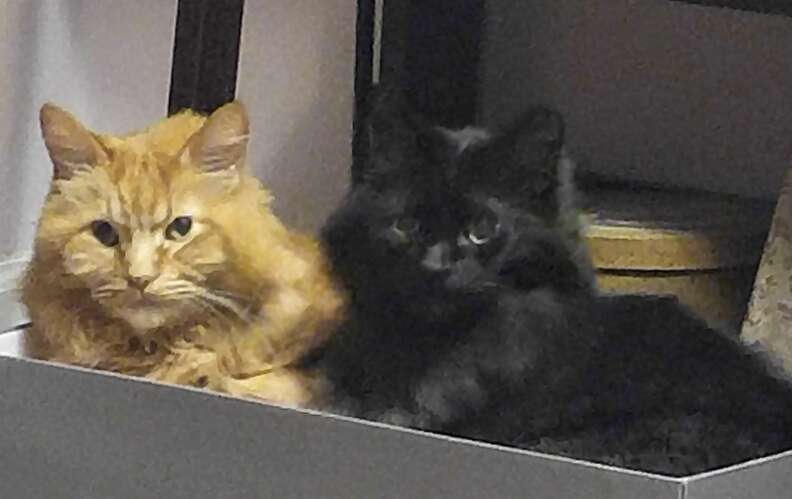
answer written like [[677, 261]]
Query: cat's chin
[[146, 318]]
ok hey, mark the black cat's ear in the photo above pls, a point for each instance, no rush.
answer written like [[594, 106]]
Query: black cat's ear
[[523, 159], [397, 137], [537, 135], [391, 120]]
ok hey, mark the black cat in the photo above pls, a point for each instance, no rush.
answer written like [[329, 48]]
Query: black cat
[[473, 313]]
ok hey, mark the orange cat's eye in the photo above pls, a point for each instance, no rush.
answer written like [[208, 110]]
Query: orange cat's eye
[[179, 227], [104, 233]]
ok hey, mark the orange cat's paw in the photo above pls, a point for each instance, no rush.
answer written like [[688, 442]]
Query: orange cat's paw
[[285, 386]]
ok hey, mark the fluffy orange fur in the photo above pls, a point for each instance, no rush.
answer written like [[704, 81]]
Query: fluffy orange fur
[[229, 305]]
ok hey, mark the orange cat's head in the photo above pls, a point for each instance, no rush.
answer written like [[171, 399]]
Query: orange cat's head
[[140, 224]]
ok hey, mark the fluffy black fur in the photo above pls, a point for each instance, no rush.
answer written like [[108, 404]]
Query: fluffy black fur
[[473, 313]]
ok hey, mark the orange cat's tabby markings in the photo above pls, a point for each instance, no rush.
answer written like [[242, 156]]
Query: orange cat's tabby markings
[[157, 255]]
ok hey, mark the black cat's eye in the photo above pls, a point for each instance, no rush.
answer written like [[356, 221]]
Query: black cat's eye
[[406, 225], [482, 232], [104, 232], [179, 227]]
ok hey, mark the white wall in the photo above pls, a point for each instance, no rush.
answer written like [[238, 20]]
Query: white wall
[[296, 76], [108, 62]]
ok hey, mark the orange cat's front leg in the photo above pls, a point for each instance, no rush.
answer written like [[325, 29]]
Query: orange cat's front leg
[[66, 344], [300, 320], [187, 364], [283, 386], [192, 365]]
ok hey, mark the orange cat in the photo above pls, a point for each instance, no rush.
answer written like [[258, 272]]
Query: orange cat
[[157, 255]]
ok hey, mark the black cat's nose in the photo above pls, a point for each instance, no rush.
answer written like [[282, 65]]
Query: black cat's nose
[[438, 257]]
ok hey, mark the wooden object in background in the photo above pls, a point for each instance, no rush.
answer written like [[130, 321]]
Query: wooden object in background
[[702, 248]]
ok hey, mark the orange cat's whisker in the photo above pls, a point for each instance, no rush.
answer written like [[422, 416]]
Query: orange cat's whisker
[[218, 314], [228, 294], [225, 304], [103, 294], [178, 288], [193, 274]]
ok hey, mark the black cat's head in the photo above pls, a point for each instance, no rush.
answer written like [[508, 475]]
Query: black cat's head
[[438, 213]]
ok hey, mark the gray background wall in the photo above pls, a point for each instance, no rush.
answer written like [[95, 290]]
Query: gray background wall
[[296, 75], [107, 62], [652, 90]]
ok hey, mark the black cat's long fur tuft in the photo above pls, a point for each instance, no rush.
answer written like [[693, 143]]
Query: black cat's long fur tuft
[[473, 313]]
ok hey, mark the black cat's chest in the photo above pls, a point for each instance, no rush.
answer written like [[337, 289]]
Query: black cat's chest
[[383, 358]]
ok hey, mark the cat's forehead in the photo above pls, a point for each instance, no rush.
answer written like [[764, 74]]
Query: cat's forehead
[[453, 154], [434, 202], [137, 187], [141, 188]]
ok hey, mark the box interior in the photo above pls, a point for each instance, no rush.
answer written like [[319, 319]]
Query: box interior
[[11, 343]]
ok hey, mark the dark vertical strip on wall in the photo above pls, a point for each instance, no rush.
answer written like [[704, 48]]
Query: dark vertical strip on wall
[[364, 64], [205, 54], [432, 49], [394, 41]]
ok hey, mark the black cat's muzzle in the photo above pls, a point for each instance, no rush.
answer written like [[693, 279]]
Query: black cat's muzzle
[[438, 258]]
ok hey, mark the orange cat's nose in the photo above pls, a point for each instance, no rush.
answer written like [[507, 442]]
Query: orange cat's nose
[[139, 282]]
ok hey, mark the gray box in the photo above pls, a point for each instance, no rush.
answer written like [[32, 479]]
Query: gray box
[[67, 432]]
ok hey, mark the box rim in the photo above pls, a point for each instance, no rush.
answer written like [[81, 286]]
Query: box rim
[[6, 357], [735, 468], [504, 472]]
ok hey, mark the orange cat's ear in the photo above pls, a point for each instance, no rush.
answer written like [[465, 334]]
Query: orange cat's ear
[[221, 144], [71, 146]]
